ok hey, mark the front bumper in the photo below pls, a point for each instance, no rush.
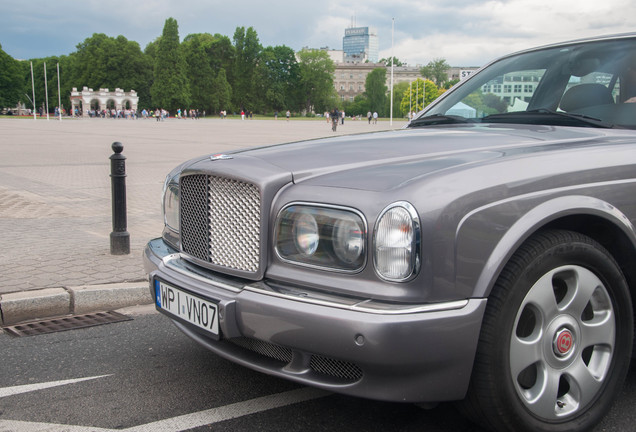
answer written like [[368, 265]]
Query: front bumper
[[420, 353]]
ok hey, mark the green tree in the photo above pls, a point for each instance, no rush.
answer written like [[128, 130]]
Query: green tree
[[415, 99], [399, 90], [279, 78], [316, 80], [387, 62], [170, 88], [105, 62], [66, 83], [12, 83], [248, 49], [222, 54], [199, 71], [221, 93], [359, 106], [375, 90], [436, 71]]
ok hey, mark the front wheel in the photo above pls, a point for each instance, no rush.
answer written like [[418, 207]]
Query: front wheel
[[556, 339]]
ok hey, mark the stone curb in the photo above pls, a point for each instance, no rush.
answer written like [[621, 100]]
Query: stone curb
[[52, 302]]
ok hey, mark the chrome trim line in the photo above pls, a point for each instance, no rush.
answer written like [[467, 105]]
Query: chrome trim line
[[366, 306], [177, 263]]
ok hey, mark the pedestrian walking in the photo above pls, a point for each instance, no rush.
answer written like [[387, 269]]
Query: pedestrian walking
[[335, 116]]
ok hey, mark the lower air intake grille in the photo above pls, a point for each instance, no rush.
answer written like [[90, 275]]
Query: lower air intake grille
[[221, 221], [346, 371]]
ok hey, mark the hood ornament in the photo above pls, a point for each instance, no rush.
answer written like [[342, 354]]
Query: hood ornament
[[220, 157]]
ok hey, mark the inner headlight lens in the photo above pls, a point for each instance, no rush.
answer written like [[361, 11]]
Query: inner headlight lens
[[396, 241], [348, 239], [171, 204], [306, 237], [328, 237]]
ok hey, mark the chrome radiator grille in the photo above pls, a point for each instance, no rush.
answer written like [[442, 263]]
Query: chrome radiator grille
[[220, 221]]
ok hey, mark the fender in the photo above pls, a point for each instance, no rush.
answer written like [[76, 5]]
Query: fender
[[504, 247]]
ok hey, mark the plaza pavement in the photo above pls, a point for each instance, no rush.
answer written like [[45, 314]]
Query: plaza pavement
[[55, 202]]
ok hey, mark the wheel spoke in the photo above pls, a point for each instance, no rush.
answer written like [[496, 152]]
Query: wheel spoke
[[598, 333], [541, 295], [580, 293], [524, 353], [583, 385], [545, 401]]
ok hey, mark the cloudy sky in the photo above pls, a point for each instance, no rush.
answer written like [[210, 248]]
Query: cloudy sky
[[464, 32]]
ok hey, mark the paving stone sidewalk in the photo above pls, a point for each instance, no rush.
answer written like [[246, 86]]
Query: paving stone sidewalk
[[55, 201]]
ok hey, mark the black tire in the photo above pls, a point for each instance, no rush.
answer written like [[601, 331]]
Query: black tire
[[556, 339]]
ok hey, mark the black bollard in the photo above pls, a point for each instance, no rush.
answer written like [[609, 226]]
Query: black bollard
[[119, 238]]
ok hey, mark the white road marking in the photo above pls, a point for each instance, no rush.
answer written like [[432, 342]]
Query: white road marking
[[175, 424], [22, 426], [227, 412], [10, 391]]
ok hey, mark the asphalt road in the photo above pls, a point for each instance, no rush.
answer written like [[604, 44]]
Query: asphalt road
[[144, 375]]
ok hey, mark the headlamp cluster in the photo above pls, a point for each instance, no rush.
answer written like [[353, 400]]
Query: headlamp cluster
[[336, 238]]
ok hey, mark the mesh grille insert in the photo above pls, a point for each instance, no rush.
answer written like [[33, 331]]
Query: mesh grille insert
[[264, 348], [221, 221], [346, 371], [335, 368]]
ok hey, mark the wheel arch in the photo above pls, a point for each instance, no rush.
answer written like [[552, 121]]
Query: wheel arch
[[590, 216]]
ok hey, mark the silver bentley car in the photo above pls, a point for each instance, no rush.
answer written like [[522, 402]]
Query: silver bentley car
[[484, 254]]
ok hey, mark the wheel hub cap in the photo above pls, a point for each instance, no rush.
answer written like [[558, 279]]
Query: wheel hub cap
[[563, 342]]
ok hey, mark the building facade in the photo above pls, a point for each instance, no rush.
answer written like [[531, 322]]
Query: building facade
[[350, 78], [360, 44], [87, 99]]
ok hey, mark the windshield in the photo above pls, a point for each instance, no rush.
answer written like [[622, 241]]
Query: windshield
[[591, 84]]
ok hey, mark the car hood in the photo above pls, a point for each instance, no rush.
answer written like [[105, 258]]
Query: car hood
[[385, 160]]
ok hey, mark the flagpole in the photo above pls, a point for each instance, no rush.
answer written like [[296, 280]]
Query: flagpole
[[33, 88], [46, 91], [392, 61], [59, 95], [417, 94]]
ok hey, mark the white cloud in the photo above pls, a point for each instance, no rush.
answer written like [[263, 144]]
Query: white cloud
[[464, 32]]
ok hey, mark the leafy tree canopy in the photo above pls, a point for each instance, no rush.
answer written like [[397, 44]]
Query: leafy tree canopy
[[436, 71], [396, 62], [316, 83]]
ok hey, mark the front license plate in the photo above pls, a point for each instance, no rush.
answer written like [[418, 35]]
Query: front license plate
[[190, 308]]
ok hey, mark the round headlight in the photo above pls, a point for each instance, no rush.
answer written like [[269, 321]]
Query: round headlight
[[305, 232], [348, 239]]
